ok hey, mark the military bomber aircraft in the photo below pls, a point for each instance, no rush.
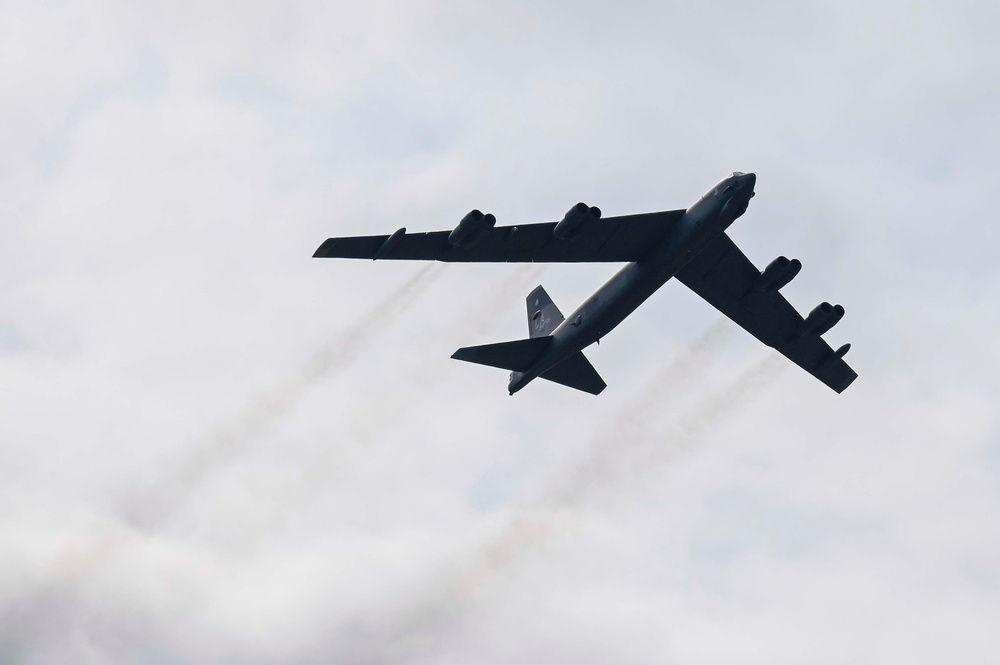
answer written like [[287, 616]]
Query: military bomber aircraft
[[691, 245]]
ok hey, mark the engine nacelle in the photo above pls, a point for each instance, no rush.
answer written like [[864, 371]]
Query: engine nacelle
[[573, 221], [821, 319], [778, 273], [471, 229]]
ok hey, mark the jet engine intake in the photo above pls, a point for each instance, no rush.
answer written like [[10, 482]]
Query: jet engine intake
[[471, 229], [777, 274], [821, 319], [574, 220]]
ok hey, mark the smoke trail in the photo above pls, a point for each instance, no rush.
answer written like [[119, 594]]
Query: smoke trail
[[432, 368], [632, 457], [642, 414], [513, 289], [633, 446], [366, 429], [152, 505], [264, 410], [426, 625], [677, 378], [483, 320], [633, 452]]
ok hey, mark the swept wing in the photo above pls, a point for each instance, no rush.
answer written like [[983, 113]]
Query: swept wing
[[612, 239], [726, 278]]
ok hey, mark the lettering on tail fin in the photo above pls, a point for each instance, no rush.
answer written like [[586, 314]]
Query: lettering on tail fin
[[543, 315]]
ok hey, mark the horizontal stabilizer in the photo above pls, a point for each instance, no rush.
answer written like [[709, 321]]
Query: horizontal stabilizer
[[517, 356], [577, 372]]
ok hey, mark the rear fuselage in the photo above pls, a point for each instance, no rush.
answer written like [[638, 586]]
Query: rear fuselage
[[711, 215]]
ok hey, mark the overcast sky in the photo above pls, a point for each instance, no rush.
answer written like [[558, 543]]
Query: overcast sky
[[214, 448]]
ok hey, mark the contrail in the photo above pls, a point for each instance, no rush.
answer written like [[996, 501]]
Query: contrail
[[365, 429], [510, 292], [151, 506], [427, 624], [264, 410], [337, 355], [681, 435], [482, 321], [635, 444], [641, 415], [656, 449]]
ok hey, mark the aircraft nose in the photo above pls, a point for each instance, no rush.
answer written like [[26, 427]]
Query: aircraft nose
[[750, 179]]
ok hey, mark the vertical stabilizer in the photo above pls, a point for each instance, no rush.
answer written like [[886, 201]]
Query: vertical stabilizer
[[543, 315]]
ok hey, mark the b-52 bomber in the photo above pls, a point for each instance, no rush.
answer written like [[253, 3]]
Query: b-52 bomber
[[691, 245]]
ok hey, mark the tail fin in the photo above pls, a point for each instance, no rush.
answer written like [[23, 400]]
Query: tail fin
[[543, 315], [517, 356], [577, 372]]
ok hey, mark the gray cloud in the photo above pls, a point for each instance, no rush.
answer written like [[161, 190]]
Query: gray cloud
[[166, 174]]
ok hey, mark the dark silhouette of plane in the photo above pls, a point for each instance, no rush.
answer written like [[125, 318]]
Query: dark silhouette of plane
[[691, 245]]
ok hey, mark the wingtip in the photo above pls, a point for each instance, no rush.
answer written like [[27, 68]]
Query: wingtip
[[325, 245], [846, 384]]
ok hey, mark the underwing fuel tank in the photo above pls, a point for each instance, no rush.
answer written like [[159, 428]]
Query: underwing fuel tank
[[386, 247], [835, 356]]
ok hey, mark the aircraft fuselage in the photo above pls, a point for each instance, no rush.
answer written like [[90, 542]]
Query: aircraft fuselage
[[710, 216]]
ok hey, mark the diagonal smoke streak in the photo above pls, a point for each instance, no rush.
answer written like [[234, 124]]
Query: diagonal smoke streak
[[365, 430], [646, 411], [512, 288], [608, 465], [483, 321], [636, 443], [263, 411], [432, 368], [428, 625], [79, 561]]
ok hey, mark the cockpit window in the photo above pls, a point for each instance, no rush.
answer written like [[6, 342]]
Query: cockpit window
[[736, 173]]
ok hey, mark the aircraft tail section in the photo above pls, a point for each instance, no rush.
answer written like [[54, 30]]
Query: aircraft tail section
[[576, 372], [522, 356], [543, 315], [517, 356]]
